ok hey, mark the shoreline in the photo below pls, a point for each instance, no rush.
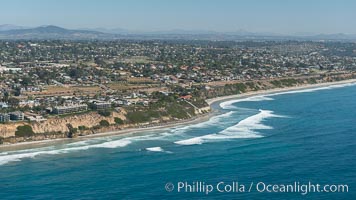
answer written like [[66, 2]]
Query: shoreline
[[277, 90], [122, 132], [196, 119]]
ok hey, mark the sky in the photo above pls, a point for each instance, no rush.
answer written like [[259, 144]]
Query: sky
[[272, 16]]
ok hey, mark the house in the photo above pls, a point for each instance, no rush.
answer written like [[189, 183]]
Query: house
[[17, 116], [102, 105], [186, 97], [3, 105], [70, 108], [4, 117]]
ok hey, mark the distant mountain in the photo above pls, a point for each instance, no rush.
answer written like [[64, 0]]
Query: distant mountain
[[41, 30], [338, 36], [111, 31], [54, 32]]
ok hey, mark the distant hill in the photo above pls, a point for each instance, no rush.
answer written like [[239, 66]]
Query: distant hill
[[13, 32], [111, 31], [52, 32]]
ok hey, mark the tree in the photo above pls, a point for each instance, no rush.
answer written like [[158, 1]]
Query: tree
[[13, 102], [118, 121], [72, 131], [6, 96], [105, 113], [104, 123], [23, 131], [17, 91], [26, 81]]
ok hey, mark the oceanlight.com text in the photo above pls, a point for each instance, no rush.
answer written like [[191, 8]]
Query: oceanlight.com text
[[261, 187]]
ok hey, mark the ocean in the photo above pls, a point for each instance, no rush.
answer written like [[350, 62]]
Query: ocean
[[288, 145]]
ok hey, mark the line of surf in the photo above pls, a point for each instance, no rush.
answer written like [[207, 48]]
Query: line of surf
[[107, 142], [246, 128], [18, 155]]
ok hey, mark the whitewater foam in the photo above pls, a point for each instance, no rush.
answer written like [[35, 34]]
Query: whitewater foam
[[17, 157], [228, 104], [213, 121], [12, 156], [244, 129], [155, 149]]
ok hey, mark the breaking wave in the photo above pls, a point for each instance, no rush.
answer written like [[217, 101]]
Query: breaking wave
[[155, 149], [228, 104], [244, 129], [213, 121], [180, 130], [12, 156]]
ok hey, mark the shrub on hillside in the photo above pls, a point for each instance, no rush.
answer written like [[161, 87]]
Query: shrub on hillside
[[104, 123], [105, 113], [118, 121], [24, 131]]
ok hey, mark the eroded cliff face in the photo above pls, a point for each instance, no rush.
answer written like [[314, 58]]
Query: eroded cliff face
[[8, 130], [58, 124]]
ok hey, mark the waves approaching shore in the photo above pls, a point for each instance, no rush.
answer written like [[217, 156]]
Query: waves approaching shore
[[226, 126], [244, 129], [267, 138], [228, 104]]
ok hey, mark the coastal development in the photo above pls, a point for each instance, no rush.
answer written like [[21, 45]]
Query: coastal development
[[63, 89], [216, 99]]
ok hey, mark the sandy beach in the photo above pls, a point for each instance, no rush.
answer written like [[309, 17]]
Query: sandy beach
[[197, 119], [276, 90], [124, 132]]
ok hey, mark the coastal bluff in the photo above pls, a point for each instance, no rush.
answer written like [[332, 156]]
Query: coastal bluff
[[57, 126]]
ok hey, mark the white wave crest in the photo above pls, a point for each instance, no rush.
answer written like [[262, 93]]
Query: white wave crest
[[155, 149], [12, 156], [244, 129], [80, 143], [17, 157], [111, 144], [213, 121], [228, 104]]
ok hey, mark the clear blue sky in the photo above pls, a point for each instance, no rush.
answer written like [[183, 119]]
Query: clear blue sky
[[278, 16]]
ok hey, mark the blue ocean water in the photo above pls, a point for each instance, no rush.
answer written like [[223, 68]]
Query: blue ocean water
[[284, 139]]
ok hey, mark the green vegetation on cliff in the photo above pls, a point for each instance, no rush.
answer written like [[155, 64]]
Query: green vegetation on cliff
[[118, 121], [24, 131], [72, 130], [165, 106], [285, 82], [105, 113], [104, 123]]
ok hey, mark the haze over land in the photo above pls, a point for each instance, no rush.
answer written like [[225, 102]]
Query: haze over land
[[216, 20], [8, 31]]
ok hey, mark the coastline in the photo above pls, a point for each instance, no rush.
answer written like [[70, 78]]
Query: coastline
[[123, 132], [196, 119], [277, 90]]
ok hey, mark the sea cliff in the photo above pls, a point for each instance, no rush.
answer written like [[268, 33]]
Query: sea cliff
[[165, 111]]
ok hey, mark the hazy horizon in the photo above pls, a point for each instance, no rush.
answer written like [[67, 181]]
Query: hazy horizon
[[274, 16]]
